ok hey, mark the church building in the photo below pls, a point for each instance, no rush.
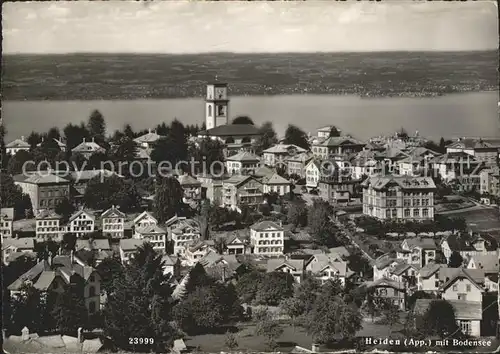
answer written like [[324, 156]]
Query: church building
[[236, 137]]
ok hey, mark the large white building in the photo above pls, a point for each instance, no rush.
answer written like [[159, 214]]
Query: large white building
[[267, 238], [399, 197], [113, 221]]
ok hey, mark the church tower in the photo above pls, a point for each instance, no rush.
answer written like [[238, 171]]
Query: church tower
[[216, 105]]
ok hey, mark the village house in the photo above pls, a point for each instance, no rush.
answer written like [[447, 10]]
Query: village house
[[428, 279], [128, 248], [294, 267], [211, 187], [468, 246], [222, 267], [267, 238], [191, 187], [276, 184], [154, 234], [364, 164], [328, 266], [45, 189], [53, 274], [417, 163], [459, 167], [144, 219], [81, 223], [324, 132], [235, 137], [243, 163], [418, 251], [277, 155], [467, 314], [296, 165], [342, 145], [182, 232], [489, 263], [240, 191], [6, 222], [483, 151], [237, 244], [113, 223], [49, 226], [17, 145], [99, 249], [15, 247], [171, 265], [383, 265], [490, 182], [390, 290], [88, 148], [337, 189], [463, 284], [197, 250], [313, 174], [148, 140], [58, 142], [399, 197], [405, 274]]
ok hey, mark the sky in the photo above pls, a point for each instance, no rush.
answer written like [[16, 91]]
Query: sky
[[245, 27]]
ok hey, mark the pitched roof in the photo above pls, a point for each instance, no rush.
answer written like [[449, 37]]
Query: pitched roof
[[424, 243], [240, 179], [404, 182], [7, 213], [263, 171], [40, 177], [81, 212], [276, 179], [142, 216], [475, 276], [232, 130], [17, 143], [341, 140], [169, 260], [198, 245], [385, 260], [87, 146], [383, 282], [401, 268], [284, 149], [47, 214], [97, 244], [26, 243], [130, 244], [464, 310], [265, 225], [296, 264], [113, 212], [430, 269], [340, 266], [150, 229], [487, 262], [187, 180], [454, 157], [149, 137], [243, 156]]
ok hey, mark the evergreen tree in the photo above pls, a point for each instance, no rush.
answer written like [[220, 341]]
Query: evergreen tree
[[104, 193], [144, 291], [334, 132], [294, 135], [243, 120], [129, 132], [69, 311], [267, 137], [456, 260], [75, 134], [168, 198], [96, 127]]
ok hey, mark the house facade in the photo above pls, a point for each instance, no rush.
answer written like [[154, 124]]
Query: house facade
[[242, 191], [243, 163], [128, 248], [276, 184], [49, 226], [113, 223], [81, 223], [267, 238], [88, 148], [278, 154], [294, 267], [6, 222], [17, 145], [182, 232]]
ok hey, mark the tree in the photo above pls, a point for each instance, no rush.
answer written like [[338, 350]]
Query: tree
[[230, 341], [267, 137], [274, 287], [294, 135], [12, 196], [203, 218], [442, 146], [69, 311], [125, 149], [168, 198], [456, 260], [243, 120], [248, 284], [20, 159], [102, 193], [65, 209], [96, 127], [440, 257], [25, 310], [318, 221], [418, 295], [68, 241], [303, 299], [128, 131], [75, 134], [439, 319], [390, 313], [4, 156], [332, 318], [198, 278], [145, 292], [297, 214], [208, 155], [334, 132], [269, 328]]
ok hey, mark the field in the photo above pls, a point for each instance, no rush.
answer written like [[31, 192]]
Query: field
[[127, 76], [481, 219]]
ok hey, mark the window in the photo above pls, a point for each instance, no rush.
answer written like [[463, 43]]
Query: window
[[466, 326], [425, 212], [91, 278], [462, 297], [91, 291], [407, 212], [209, 111], [416, 213], [455, 287], [436, 284], [467, 288]]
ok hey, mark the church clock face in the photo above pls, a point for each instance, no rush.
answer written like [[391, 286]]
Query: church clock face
[[220, 93]]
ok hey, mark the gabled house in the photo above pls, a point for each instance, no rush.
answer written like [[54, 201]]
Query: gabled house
[[17, 145], [296, 165], [390, 290], [113, 223], [172, 265], [463, 284], [236, 244], [328, 266], [468, 246], [459, 167], [341, 145], [222, 267], [489, 263], [58, 142], [153, 234], [294, 267], [198, 250], [6, 222], [418, 251], [148, 140], [15, 247], [276, 184], [482, 150], [53, 274], [313, 174], [428, 277], [81, 223], [88, 148], [191, 187], [144, 219], [95, 250], [267, 238], [405, 274], [128, 247], [49, 226], [242, 191], [276, 155], [468, 314], [182, 232], [383, 265], [243, 163]]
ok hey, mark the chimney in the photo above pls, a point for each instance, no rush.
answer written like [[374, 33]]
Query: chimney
[[17, 236], [149, 130], [315, 348], [93, 139], [80, 334], [50, 258], [84, 140], [72, 257], [25, 333]]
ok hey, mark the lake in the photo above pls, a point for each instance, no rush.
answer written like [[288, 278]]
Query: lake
[[464, 114]]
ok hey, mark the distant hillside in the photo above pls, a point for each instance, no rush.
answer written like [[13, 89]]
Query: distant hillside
[[126, 76]]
